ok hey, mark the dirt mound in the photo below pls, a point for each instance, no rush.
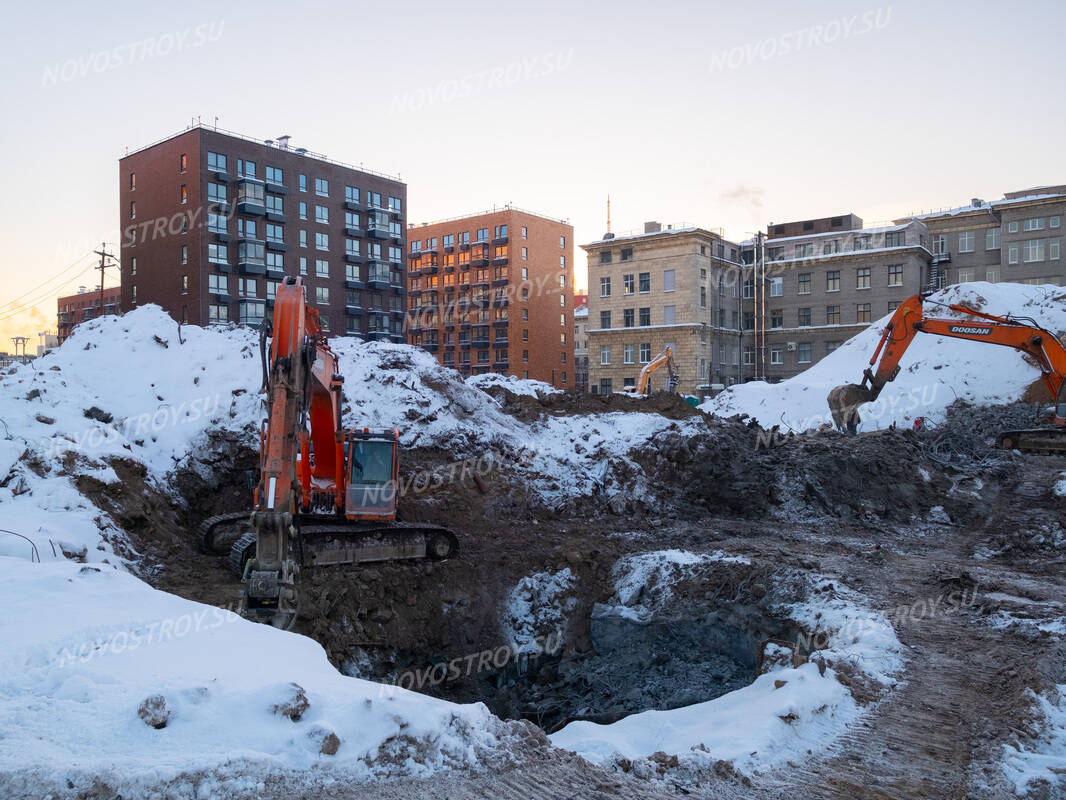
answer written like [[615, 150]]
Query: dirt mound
[[528, 408]]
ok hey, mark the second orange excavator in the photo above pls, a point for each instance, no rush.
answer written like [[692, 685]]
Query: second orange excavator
[[1021, 333], [326, 495]]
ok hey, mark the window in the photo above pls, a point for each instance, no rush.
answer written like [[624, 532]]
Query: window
[[669, 315], [525, 232], [832, 315], [321, 268], [216, 192], [832, 280], [605, 386], [133, 181], [804, 317], [133, 265], [1034, 224], [966, 242], [992, 239], [992, 275], [562, 262], [669, 276], [322, 215], [275, 262], [862, 242], [895, 274], [482, 234], [245, 169], [322, 295], [217, 314], [1053, 247], [629, 285], [775, 253], [1034, 250], [703, 297], [184, 195], [525, 334], [627, 253], [273, 175], [627, 354], [862, 312], [605, 355], [133, 209], [831, 346], [605, 319], [605, 286], [1054, 222], [895, 239], [628, 317], [804, 283], [218, 284], [777, 287], [645, 352], [373, 199], [246, 287], [645, 317], [966, 275], [1012, 227], [562, 241], [831, 247], [396, 207], [803, 353], [246, 228], [776, 357], [217, 254], [605, 257], [322, 241], [185, 254], [216, 162], [1012, 254], [644, 282], [321, 187], [862, 278], [777, 318], [940, 244], [303, 265], [804, 250], [275, 233]]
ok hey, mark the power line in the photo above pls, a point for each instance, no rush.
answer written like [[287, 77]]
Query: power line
[[47, 294], [49, 280]]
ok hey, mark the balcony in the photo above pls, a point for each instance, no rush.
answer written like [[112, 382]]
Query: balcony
[[353, 205], [499, 342], [275, 271], [464, 246], [429, 269], [276, 188], [377, 232], [353, 258], [353, 232], [378, 336], [277, 245], [251, 197], [500, 323], [448, 348], [480, 261], [500, 302], [464, 345], [354, 283], [500, 261], [480, 344], [499, 364], [501, 281], [500, 240], [353, 310], [221, 236], [464, 326], [431, 347]]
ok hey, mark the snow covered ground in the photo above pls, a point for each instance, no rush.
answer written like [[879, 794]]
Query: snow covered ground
[[1045, 761], [785, 714], [84, 646], [934, 372]]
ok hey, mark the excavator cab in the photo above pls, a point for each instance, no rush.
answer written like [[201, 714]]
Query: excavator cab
[[370, 483]]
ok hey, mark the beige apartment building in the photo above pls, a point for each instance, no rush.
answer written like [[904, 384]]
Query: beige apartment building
[[676, 287]]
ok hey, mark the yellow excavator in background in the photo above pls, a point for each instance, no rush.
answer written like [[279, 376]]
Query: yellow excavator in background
[[673, 378]]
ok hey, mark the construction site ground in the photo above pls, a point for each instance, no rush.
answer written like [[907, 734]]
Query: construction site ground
[[897, 516]]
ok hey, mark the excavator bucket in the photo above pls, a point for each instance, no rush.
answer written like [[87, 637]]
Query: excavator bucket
[[844, 402]]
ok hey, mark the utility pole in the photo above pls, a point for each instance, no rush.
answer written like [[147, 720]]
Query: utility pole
[[104, 255], [19, 340]]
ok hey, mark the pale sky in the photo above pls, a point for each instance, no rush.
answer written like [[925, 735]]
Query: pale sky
[[725, 115]]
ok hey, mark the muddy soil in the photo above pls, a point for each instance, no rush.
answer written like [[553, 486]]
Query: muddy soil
[[881, 513]]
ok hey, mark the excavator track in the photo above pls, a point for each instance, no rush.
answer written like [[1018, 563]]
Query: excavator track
[[207, 532], [1045, 441]]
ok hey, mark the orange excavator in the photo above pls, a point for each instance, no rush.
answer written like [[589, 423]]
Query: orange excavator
[[673, 378], [326, 495], [1021, 333]]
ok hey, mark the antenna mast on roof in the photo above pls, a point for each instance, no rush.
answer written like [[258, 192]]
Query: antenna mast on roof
[[608, 212]]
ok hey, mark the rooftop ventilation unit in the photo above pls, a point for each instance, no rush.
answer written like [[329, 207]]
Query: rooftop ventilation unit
[[283, 142]]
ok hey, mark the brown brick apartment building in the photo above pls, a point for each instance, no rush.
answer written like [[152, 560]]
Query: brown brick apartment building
[[494, 292], [212, 221], [665, 286], [73, 309]]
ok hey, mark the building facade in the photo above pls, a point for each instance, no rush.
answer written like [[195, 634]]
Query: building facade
[[73, 309], [213, 221], [494, 292], [1017, 239], [815, 291], [581, 342], [676, 287]]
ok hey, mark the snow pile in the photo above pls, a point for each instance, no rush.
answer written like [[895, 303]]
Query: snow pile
[[535, 610], [783, 715], [524, 387], [85, 646], [934, 372], [1044, 762]]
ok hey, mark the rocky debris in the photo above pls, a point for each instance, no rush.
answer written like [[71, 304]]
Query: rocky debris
[[99, 415], [41, 418], [328, 741], [155, 712], [966, 439], [295, 705]]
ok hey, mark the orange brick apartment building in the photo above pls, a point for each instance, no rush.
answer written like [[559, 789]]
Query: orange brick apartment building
[[494, 292]]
